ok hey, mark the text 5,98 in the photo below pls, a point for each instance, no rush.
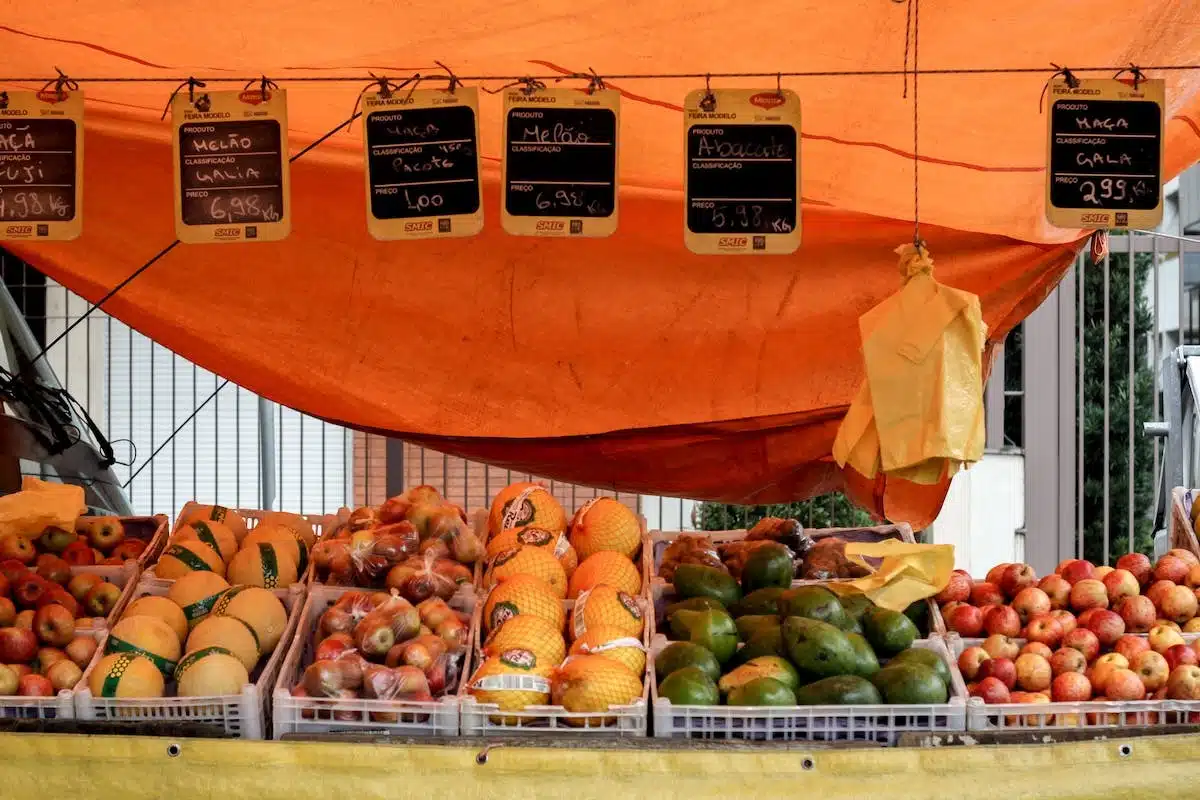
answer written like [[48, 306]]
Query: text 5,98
[[564, 198], [236, 209], [747, 217]]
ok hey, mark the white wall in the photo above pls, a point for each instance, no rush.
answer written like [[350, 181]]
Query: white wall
[[983, 512]]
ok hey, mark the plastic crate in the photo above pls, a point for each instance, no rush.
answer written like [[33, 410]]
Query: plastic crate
[[623, 721], [1084, 714], [126, 577], [1183, 534], [61, 706], [322, 715], [241, 715]]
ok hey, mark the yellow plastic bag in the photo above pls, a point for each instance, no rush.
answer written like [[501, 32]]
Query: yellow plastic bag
[[909, 572], [40, 505], [919, 413]]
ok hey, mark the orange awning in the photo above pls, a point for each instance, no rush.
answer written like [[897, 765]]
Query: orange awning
[[623, 362]]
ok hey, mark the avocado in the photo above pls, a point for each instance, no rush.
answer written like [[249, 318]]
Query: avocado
[[760, 601], [755, 623], [813, 602], [840, 690], [919, 655], [855, 605], [761, 667], [764, 643], [910, 684], [695, 604], [852, 625], [918, 612], [818, 648], [689, 686], [678, 655], [769, 566], [889, 632], [762, 692], [711, 629], [866, 662], [697, 580]]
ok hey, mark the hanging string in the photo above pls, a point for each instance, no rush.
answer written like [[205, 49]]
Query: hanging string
[[1132, 69], [528, 84], [62, 84], [385, 88], [192, 84], [915, 12], [1067, 75], [907, 36], [454, 81]]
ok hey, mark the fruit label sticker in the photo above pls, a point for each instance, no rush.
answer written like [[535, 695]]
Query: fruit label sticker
[[560, 162], [1105, 153], [422, 163], [231, 166], [742, 175], [518, 511], [614, 644], [578, 623], [41, 165], [510, 682]]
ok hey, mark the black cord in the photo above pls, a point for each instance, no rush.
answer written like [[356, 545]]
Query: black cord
[[915, 5], [175, 432]]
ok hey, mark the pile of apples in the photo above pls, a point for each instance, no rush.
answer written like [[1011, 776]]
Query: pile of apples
[[94, 541], [1083, 629]]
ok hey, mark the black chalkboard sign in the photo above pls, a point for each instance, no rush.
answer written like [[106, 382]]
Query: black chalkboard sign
[[1105, 154], [37, 169], [560, 162], [231, 172], [742, 179], [423, 162]]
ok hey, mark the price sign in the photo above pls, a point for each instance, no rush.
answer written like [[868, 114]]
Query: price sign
[[743, 171], [231, 166], [422, 152], [41, 165], [1106, 154], [560, 162]]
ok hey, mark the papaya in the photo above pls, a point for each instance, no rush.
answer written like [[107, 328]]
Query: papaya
[[866, 663], [813, 602], [710, 629], [889, 632], [762, 692], [769, 566], [697, 580], [689, 686], [818, 648], [680, 655], [761, 667], [760, 601], [839, 690], [910, 684]]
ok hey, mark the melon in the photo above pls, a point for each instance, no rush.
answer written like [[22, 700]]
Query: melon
[[229, 632], [258, 608], [195, 594], [213, 534], [226, 516], [146, 636], [163, 608], [186, 556], [299, 526], [283, 539], [210, 672], [126, 675], [263, 565]]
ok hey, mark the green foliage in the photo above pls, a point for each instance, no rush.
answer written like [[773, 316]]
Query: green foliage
[[1117, 431], [830, 511]]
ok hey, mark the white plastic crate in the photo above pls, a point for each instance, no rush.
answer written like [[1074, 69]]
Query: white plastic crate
[[322, 715], [1085, 714], [486, 719], [241, 715], [60, 706]]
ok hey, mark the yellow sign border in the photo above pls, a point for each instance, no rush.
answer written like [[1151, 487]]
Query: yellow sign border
[[227, 106], [1153, 90], [69, 107], [735, 107], [558, 226]]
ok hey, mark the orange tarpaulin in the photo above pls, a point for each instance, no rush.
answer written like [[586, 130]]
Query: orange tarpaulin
[[627, 361]]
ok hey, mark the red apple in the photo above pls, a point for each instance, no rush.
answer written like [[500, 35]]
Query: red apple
[[993, 575], [20, 670], [1033, 673], [1066, 619], [35, 686], [1070, 687], [1045, 629], [1108, 627], [1088, 593], [13, 570], [18, 548], [946, 610], [64, 674], [333, 646], [966, 621], [53, 569], [29, 589], [1120, 583], [105, 533], [1037, 649], [129, 549], [1193, 578], [1067, 659], [1000, 646], [1168, 623], [1152, 668], [1084, 641], [54, 625], [1184, 683], [59, 595], [5, 586], [79, 585], [1178, 604], [1130, 646], [1057, 589], [1078, 570], [1063, 565], [24, 620], [101, 599], [1002, 669], [1138, 612], [1179, 655], [986, 594], [969, 661], [1124, 684], [1186, 556], [79, 554], [8, 612], [1016, 577], [958, 589], [1031, 602], [1138, 565], [992, 691], [17, 645], [1002, 620], [1161, 637], [81, 649], [1170, 568], [46, 656], [55, 540], [1157, 589]]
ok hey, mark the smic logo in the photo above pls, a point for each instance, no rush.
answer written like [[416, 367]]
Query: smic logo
[[227, 233], [414, 227], [732, 241], [1093, 217], [550, 226], [767, 100], [18, 230]]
